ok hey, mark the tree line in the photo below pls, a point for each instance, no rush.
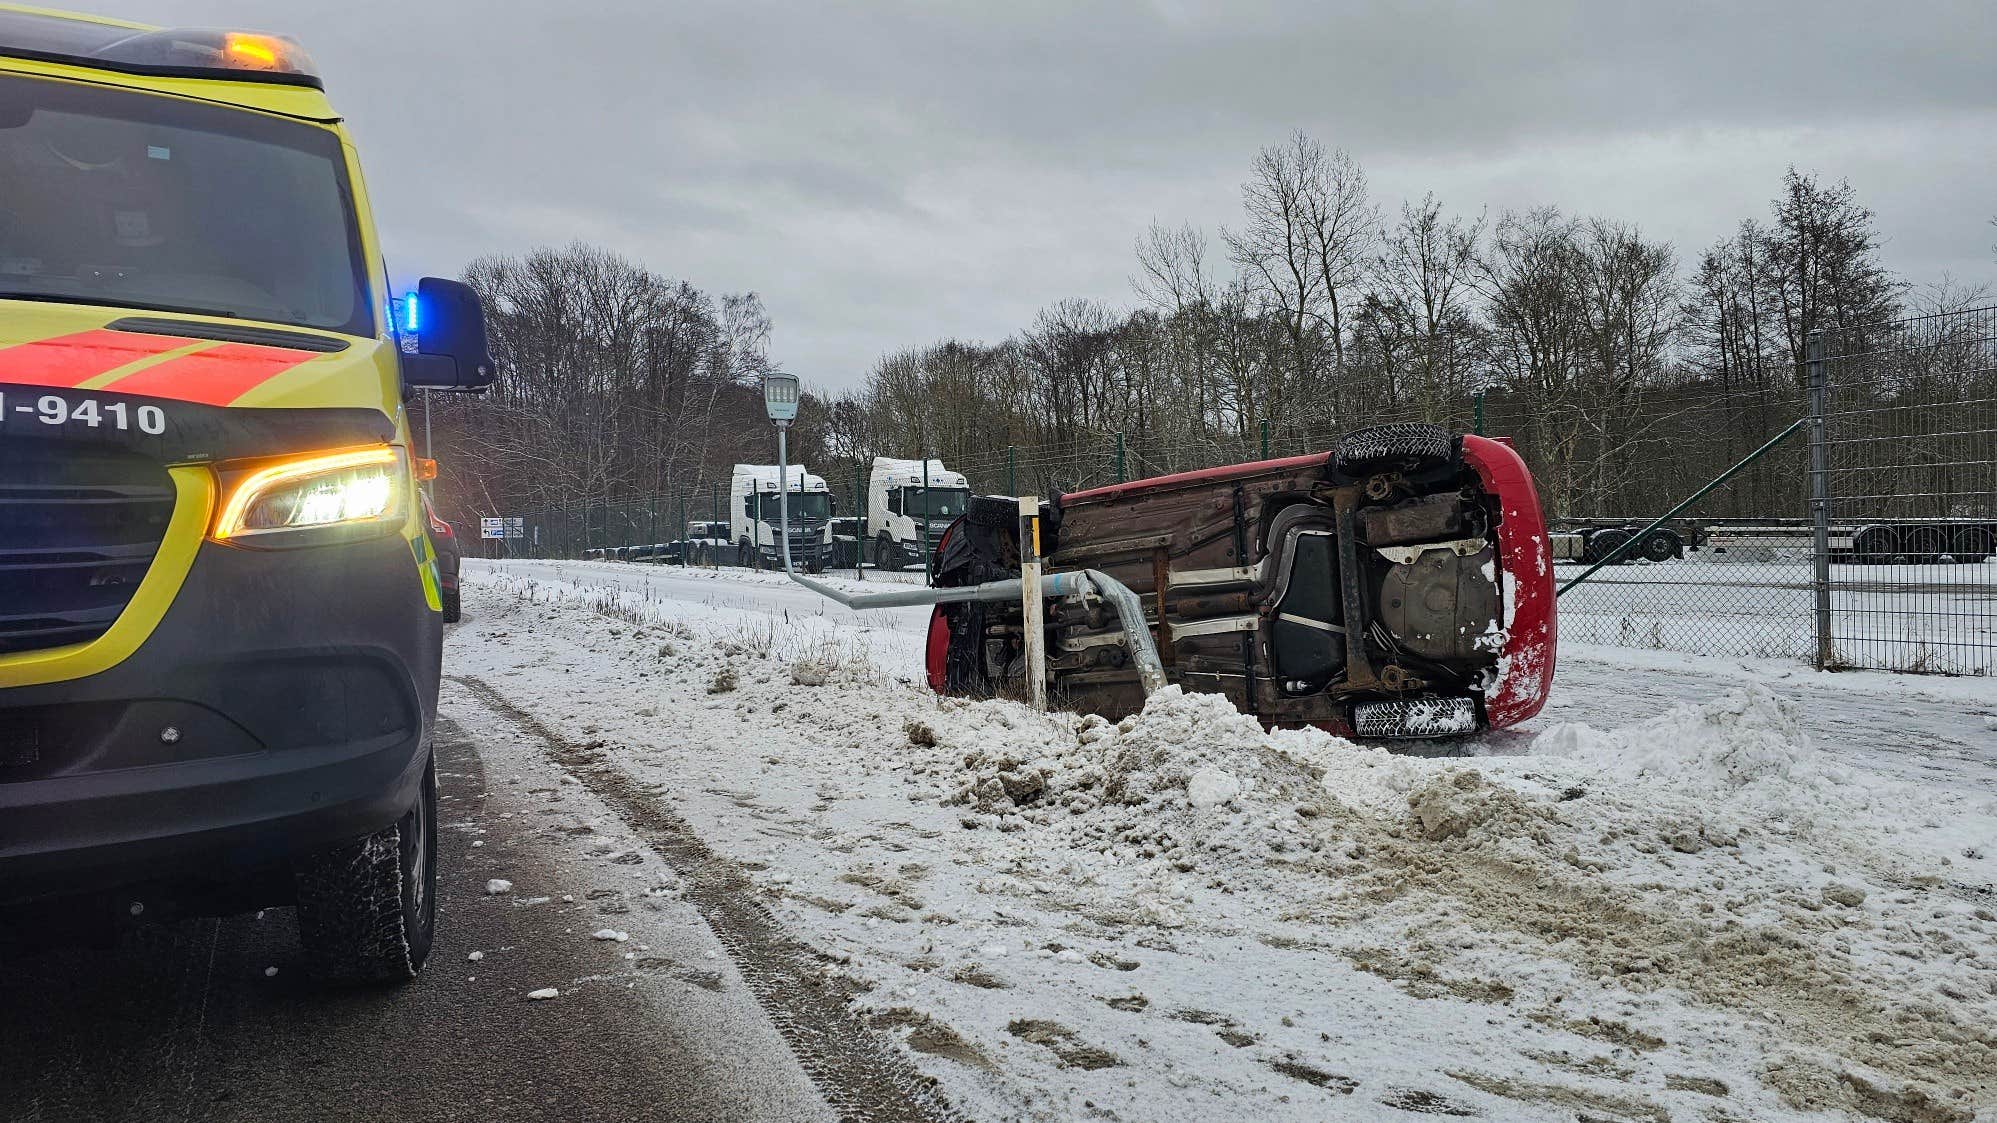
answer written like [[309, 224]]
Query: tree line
[[1624, 374]]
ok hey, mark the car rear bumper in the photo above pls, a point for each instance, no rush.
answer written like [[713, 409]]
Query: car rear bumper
[[1526, 657], [282, 705]]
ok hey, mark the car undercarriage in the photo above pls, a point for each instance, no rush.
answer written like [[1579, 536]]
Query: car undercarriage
[[1395, 587]]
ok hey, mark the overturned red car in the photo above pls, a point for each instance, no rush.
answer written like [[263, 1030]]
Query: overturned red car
[[1397, 586]]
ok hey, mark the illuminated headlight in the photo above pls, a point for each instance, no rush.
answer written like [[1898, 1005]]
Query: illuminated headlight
[[343, 494], [1415, 717]]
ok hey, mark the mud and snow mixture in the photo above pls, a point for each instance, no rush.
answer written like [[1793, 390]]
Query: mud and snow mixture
[[1717, 909]]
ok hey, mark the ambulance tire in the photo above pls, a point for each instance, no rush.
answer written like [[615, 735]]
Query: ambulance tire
[[367, 911]]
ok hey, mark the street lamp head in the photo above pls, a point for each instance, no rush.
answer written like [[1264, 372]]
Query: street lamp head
[[780, 395]]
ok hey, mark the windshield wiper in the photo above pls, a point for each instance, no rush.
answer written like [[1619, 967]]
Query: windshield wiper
[[114, 302]]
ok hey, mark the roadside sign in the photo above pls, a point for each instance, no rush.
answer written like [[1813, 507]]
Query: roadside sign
[[492, 528], [516, 528]]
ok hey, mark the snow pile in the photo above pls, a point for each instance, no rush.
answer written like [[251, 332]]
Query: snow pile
[[1745, 753], [1707, 913], [1186, 775]]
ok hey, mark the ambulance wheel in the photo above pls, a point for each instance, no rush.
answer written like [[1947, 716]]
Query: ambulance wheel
[[367, 911], [453, 610]]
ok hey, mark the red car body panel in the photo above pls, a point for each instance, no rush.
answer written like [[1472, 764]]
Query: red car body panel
[[1525, 668], [1201, 475], [937, 650]]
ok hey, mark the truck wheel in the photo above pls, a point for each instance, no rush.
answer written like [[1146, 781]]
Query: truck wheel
[[453, 610], [1604, 542], [745, 554], [1875, 544], [1973, 544], [1661, 545], [887, 557], [1926, 543], [1403, 442], [367, 911]]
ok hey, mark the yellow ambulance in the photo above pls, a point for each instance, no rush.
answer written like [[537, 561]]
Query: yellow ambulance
[[220, 622]]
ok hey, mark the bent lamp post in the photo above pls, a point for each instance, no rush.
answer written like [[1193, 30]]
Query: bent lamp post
[[780, 399]]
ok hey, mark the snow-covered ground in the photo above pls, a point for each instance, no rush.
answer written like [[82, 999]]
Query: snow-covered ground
[[1940, 617], [1694, 889]]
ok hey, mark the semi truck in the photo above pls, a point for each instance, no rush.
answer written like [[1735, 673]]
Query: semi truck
[[221, 617], [910, 503], [753, 518]]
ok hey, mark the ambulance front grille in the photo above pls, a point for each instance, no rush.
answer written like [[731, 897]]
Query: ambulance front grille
[[79, 526]]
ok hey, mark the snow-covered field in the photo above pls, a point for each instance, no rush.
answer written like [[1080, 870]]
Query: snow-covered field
[[1694, 889]]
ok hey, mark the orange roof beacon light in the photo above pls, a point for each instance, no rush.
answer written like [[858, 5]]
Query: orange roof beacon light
[[181, 52], [252, 52]]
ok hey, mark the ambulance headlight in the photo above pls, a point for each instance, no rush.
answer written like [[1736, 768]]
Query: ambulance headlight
[[304, 500]]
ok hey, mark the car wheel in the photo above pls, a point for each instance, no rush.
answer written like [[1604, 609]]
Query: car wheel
[[453, 608], [1402, 443], [367, 911], [992, 512]]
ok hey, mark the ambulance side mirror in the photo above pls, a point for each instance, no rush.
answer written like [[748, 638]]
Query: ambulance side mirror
[[442, 332]]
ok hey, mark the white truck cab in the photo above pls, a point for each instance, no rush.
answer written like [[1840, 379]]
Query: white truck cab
[[902, 506], [753, 517]]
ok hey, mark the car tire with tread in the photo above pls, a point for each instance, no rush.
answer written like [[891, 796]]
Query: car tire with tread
[[367, 911], [1402, 442], [453, 606], [992, 512]]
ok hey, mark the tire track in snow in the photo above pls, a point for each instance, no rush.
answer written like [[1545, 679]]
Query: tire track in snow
[[862, 1080]]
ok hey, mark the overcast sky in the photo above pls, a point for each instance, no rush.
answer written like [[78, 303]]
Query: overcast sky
[[889, 175]]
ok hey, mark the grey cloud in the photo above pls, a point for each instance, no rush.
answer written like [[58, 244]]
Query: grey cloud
[[890, 174]]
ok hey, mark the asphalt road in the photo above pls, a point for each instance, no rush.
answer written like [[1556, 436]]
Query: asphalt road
[[189, 1022]]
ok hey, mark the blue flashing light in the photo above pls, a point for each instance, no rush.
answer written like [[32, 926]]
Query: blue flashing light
[[411, 313]]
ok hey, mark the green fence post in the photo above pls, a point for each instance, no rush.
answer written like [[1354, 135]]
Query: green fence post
[[1120, 473], [1011, 470], [1265, 438], [686, 540], [859, 522], [1479, 405]]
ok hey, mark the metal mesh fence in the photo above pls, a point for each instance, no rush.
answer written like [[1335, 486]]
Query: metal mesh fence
[[1911, 473], [1905, 429], [1731, 574]]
